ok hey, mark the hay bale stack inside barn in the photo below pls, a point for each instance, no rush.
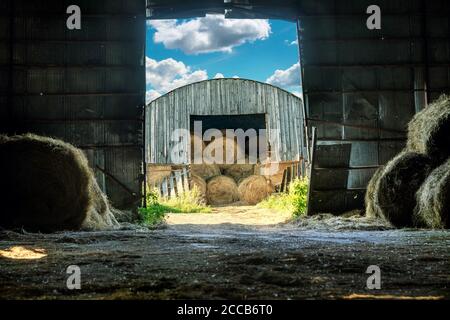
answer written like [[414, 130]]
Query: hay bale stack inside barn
[[48, 186], [429, 131], [433, 200], [254, 189], [237, 171], [394, 194], [224, 151], [222, 190], [205, 171]]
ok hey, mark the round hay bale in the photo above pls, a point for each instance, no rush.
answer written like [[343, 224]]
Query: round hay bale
[[199, 183], [254, 189], [371, 210], [231, 151], [45, 184], [394, 196], [429, 131], [205, 171], [433, 200], [221, 190], [100, 216], [237, 171]]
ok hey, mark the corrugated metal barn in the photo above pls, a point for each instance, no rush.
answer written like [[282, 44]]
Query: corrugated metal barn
[[175, 110], [84, 86], [87, 87]]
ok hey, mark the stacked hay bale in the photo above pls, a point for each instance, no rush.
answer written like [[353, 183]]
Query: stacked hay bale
[[413, 189], [255, 189], [47, 186], [224, 182]]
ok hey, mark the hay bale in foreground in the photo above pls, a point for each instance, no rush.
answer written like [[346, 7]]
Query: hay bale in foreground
[[429, 131], [46, 185], [371, 209], [394, 196], [254, 189], [221, 190], [237, 171], [433, 200], [205, 171], [199, 183]]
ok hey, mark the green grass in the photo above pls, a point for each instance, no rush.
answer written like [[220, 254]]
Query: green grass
[[157, 207], [295, 201]]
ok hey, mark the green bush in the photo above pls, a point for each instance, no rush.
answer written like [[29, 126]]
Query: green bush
[[295, 201], [157, 207]]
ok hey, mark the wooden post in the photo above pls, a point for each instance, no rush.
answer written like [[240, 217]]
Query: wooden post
[[311, 170]]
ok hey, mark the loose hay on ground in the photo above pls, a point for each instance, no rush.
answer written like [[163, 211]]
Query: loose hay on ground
[[433, 200], [254, 189], [429, 131], [100, 216], [394, 195], [221, 190], [47, 185]]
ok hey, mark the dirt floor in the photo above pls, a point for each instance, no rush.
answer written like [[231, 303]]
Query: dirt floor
[[223, 255]]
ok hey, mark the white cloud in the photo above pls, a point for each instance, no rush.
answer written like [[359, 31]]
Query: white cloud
[[212, 33], [286, 78], [166, 75], [219, 76], [151, 95], [235, 77]]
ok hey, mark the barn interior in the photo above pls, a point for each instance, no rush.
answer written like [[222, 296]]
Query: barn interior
[[371, 137]]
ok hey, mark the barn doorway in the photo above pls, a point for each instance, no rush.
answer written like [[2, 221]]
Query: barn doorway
[[226, 84]]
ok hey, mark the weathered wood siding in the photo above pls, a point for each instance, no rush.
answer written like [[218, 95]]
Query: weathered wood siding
[[224, 97]]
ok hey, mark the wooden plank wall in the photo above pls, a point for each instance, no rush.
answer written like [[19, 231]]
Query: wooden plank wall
[[283, 110]]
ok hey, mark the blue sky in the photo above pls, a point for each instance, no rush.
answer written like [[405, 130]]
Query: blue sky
[[185, 51]]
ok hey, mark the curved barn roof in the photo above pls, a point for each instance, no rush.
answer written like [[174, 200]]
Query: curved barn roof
[[193, 84]]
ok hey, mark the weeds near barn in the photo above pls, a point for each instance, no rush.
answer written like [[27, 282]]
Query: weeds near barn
[[157, 207], [294, 201]]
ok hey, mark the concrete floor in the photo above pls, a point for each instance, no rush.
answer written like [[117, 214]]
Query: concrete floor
[[320, 258]]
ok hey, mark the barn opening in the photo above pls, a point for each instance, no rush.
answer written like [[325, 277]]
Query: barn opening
[[250, 127], [362, 87]]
